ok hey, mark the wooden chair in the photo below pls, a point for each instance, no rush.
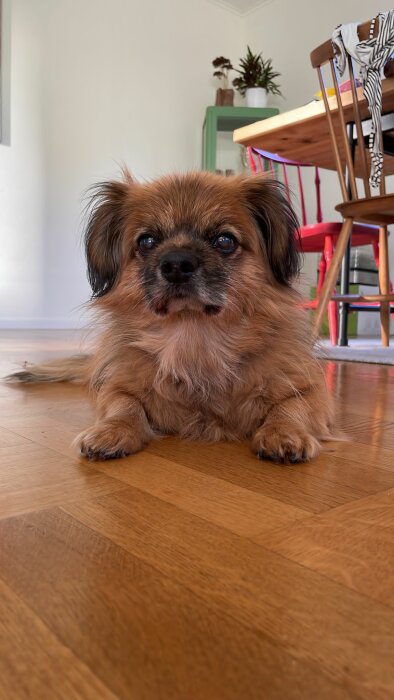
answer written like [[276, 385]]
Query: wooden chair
[[320, 236], [369, 208]]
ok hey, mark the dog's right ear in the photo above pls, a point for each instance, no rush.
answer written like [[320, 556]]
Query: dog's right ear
[[104, 233]]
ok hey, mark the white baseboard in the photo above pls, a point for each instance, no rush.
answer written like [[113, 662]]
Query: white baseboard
[[43, 323]]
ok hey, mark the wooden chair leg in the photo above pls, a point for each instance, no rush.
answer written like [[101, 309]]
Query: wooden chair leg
[[332, 273], [384, 286]]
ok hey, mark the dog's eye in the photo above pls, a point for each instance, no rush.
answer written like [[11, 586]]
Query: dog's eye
[[146, 242], [226, 243]]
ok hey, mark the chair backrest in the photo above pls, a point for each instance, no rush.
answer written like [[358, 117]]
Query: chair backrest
[[277, 167], [347, 111]]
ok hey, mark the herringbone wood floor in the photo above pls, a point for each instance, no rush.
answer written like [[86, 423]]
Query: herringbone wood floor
[[193, 571]]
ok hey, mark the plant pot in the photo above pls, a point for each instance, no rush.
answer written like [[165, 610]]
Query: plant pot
[[224, 98], [256, 97]]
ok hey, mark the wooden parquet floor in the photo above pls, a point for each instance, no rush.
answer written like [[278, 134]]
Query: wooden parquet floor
[[193, 571]]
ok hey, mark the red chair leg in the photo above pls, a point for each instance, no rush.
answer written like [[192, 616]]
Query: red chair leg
[[332, 306], [322, 274], [333, 322], [375, 248]]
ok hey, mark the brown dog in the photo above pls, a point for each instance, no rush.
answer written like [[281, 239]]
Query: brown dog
[[204, 335]]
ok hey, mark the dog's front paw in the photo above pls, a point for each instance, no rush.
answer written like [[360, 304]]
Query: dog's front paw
[[284, 444], [110, 439]]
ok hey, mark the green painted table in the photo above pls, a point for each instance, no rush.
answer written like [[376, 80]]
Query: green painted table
[[228, 119]]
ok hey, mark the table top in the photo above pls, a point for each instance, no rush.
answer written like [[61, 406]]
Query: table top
[[302, 134]]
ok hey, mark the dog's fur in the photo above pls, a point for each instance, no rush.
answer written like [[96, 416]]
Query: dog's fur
[[226, 356]]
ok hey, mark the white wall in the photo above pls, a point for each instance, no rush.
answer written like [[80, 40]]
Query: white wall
[[93, 84], [22, 170]]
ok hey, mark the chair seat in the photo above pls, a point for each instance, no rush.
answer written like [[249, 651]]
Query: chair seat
[[376, 210], [312, 236]]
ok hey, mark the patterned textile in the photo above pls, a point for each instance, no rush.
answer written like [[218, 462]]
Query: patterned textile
[[371, 55]]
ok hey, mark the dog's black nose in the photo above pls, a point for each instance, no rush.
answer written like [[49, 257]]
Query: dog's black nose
[[178, 266]]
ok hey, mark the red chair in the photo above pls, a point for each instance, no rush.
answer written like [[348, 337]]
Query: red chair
[[321, 236]]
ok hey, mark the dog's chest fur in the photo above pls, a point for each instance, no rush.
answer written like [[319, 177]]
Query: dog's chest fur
[[202, 358], [199, 388]]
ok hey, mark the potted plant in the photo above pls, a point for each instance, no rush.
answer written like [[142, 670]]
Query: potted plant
[[224, 94], [256, 79]]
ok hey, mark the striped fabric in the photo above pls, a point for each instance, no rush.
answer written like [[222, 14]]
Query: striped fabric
[[371, 55]]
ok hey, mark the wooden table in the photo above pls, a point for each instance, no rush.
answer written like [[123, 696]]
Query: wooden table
[[302, 134]]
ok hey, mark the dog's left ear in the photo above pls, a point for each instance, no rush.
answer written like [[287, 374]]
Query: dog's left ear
[[277, 223]]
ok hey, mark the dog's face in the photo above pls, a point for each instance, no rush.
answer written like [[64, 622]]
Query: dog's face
[[197, 244]]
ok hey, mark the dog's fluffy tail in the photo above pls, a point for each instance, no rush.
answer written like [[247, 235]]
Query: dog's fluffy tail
[[67, 369]]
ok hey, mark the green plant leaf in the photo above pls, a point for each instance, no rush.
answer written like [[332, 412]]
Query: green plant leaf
[[255, 72]]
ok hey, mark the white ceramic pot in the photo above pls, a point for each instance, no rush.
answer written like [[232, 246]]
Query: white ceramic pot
[[256, 97]]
